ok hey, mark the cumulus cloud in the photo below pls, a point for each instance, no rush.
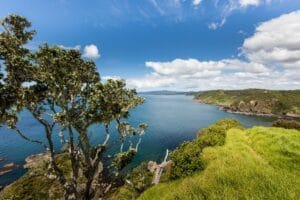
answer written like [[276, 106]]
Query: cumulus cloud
[[280, 46], [271, 59], [196, 74], [91, 51]]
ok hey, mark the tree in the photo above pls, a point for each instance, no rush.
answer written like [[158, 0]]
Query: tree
[[63, 91]]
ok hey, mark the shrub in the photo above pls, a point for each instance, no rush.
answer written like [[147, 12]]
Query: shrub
[[187, 158]]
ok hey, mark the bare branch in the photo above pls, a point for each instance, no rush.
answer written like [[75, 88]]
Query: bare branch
[[166, 156], [101, 147], [137, 145], [19, 132], [122, 146]]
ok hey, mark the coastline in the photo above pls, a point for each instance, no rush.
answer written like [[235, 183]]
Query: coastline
[[227, 108]]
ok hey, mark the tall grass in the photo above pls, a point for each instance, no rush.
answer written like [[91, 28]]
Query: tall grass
[[258, 163]]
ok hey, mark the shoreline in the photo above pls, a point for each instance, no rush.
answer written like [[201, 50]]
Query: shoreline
[[271, 115]]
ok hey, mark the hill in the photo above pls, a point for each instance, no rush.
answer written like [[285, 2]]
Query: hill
[[255, 101], [258, 163]]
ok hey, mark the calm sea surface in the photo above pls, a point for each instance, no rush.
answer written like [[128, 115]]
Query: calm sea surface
[[172, 119]]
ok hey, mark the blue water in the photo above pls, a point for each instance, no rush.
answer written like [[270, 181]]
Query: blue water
[[172, 119]]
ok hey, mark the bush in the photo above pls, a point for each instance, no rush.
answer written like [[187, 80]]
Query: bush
[[288, 124], [187, 158]]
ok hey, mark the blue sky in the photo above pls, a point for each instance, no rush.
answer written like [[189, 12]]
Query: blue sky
[[144, 41]]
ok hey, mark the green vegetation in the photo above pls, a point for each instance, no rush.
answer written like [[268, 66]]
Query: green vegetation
[[139, 179], [255, 101], [186, 157], [36, 185], [225, 161], [64, 94], [257, 163]]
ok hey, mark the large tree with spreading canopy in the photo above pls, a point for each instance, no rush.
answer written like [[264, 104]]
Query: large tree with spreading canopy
[[65, 95]]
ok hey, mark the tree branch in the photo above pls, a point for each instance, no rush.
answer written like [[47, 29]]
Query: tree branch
[[48, 130], [19, 132], [74, 157], [101, 147], [137, 145]]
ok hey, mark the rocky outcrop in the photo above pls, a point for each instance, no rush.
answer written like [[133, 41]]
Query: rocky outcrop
[[35, 160], [152, 166], [157, 169]]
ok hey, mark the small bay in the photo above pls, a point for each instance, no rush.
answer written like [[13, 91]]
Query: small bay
[[172, 119]]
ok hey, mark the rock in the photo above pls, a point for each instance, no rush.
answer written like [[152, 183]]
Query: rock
[[35, 160], [51, 176], [253, 103], [292, 115], [166, 164], [1, 159], [152, 166], [241, 103], [7, 168]]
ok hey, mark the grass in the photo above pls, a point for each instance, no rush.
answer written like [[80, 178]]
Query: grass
[[258, 163]]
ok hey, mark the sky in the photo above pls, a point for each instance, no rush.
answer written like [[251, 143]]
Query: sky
[[175, 44]]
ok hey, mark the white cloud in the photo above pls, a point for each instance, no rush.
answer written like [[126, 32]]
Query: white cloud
[[111, 77], [76, 47], [216, 25], [192, 73], [276, 42], [227, 8], [196, 2], [271, 60], [91, 51], [245, 3]]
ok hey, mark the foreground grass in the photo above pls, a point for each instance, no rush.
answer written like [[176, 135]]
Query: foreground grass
[[258, 163]]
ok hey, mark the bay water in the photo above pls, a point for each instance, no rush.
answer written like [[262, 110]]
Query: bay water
[[172, 119]]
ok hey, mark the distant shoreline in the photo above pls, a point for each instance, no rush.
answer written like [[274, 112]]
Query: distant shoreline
[[229, 110]]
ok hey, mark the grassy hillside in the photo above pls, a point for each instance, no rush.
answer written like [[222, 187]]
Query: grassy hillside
[[258, 163], [255, 101]]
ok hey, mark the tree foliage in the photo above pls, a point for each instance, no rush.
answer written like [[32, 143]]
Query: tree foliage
[[64, 91]]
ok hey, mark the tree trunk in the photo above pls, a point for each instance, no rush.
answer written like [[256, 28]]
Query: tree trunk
[[88, 193]]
